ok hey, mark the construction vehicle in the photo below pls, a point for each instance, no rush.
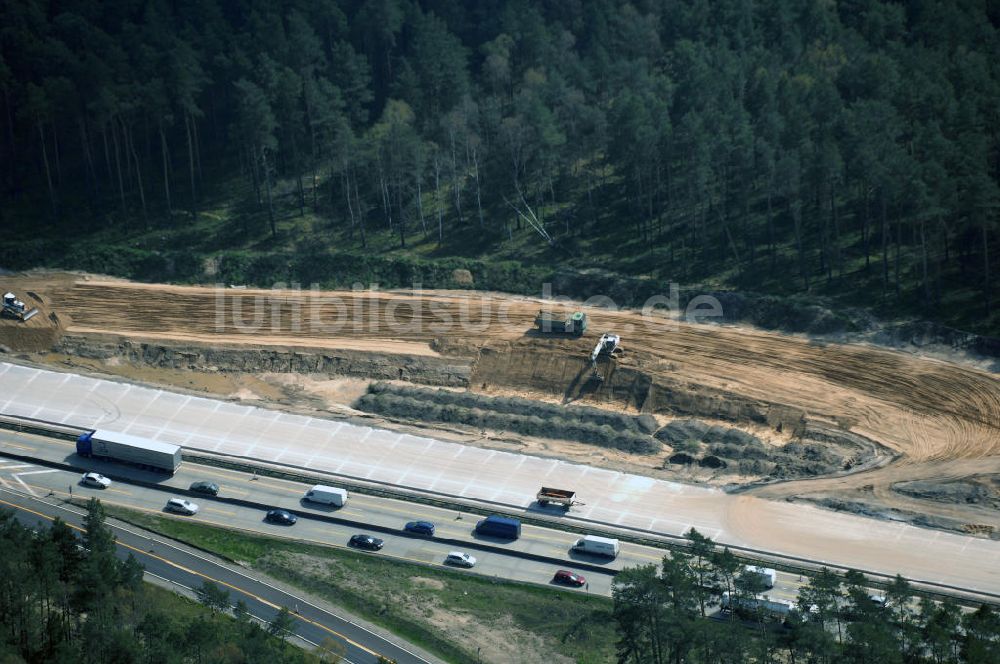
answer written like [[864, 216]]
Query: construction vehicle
[[548, 322], [609, 345], [563, 497], [15, 308]]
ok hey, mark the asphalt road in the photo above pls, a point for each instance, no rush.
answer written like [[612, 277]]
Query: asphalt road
[[387, 513], [190, 569]]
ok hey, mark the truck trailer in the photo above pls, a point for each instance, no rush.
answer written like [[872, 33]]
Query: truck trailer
[[752, 606], [141, 452], [767, 575], [499, 526]]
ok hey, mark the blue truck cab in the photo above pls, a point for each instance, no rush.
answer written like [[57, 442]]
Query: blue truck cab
[[84, 446], [499, 526]]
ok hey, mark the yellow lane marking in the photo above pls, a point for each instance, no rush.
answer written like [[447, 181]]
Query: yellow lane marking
[[216, 511], [207, 578], [20, 447]]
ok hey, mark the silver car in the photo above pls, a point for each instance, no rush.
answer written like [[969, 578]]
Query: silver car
[[95, 480], [460, 559], [181, 506]]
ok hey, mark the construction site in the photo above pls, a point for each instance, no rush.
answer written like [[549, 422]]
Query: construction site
[[858, 428]]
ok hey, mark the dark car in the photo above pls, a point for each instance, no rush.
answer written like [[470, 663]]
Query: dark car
[[211, 488], [420, 528], [569, 578], [283, 517], [366, 542]]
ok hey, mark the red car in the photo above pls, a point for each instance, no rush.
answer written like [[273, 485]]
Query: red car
[[569, 578]]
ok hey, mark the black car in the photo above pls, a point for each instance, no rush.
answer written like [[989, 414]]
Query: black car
[[420, 528], [211, 488], [282, 517], [366, 542]]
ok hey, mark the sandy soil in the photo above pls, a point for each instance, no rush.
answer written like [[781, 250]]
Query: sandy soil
[[940, 418]]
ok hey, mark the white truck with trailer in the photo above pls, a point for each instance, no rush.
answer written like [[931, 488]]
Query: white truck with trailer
[[598, 546], [765, 606], [327, 495], [141, 452]]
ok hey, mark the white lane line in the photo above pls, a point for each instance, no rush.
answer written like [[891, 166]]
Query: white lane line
[[26, 487], [36, 472]]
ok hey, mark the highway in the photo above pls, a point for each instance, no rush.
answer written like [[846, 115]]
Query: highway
[[382, 512], [614, 499], [182, 566]]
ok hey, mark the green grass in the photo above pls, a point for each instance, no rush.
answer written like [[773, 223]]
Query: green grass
[[575, 624]]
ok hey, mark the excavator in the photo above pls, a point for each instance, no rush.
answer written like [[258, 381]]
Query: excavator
[[609, 345], [15, 308]]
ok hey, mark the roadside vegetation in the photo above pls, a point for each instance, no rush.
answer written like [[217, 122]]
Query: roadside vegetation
[[846, 150], [64, 599], [583, 424], [660, 613], [447, 612]]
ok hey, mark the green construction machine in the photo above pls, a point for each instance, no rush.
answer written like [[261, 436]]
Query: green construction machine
[[548, 322]]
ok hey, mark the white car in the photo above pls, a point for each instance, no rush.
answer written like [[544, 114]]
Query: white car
[[182, 506], [460, 559], [95, 480]]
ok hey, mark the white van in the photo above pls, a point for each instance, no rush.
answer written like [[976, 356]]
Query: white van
[[599, 546], [327, 495]]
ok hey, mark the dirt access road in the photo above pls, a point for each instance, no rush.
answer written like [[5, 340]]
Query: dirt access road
[[929, 412]]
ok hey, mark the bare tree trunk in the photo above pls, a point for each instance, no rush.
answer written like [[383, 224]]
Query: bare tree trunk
[[986, 266], [138, 176], [361, 214], [91, 170], [454, 178], [118, 168], [55, 149], [197, 147], [166, 169], [437, 197], [420, 206], [885, 245], [479, 199], [190, 142], [267, 187], [48, 171]]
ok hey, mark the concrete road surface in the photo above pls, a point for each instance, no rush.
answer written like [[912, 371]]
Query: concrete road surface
[[613, 498]]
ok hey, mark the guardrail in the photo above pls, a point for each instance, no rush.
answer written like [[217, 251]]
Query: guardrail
[[566, 522]]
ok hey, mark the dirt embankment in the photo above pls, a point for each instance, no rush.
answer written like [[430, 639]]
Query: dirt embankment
[[263, 359], [928, 412]]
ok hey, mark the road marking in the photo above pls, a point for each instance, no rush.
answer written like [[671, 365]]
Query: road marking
[[36, 472], [26, 487], [217, 511], [20, 465], [20, 447], [171, 563]]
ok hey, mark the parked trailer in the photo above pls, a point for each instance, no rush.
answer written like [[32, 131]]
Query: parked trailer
[[134, 450], [563, 497]]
